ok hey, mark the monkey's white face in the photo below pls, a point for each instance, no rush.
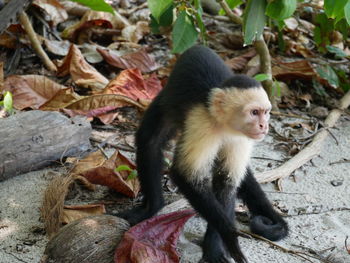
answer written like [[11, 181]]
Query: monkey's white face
[[245, 111]]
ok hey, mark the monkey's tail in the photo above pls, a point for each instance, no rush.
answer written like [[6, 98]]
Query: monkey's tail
[[264, 226]]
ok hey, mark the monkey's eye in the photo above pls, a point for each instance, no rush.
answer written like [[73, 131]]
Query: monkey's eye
[[254, 112]]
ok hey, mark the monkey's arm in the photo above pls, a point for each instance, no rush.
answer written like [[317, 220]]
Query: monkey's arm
[[265, 220], [201, 197]]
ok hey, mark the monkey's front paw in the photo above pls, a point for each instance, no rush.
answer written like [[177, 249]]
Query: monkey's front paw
[[136, 215], [215, 254]]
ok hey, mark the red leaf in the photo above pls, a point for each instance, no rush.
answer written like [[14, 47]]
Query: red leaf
[[153, 240], [139, 59], [131, 83]]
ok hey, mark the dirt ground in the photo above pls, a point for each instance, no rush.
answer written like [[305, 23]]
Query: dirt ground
[[316, 200]]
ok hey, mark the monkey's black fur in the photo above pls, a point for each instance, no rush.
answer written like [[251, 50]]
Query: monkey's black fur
[[195, 74]]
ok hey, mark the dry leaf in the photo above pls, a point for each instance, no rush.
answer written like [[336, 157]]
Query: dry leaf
[[153, 240], [60, 48], [131, 83], [62, 99], [99, 106], [140, 60], [240, 62], [300, 69], [98, 170], [134, 33], [75, 212], [82, 72], [31, 91], [94, 19], [52, 9]]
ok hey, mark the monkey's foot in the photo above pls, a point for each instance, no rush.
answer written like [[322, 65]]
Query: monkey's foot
[[136, 214], [217, 256]]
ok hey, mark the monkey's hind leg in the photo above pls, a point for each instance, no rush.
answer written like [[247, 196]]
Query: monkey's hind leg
[[151, 139], [265, 220]]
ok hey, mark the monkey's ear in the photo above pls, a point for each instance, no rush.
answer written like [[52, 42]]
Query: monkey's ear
[[217, 101]]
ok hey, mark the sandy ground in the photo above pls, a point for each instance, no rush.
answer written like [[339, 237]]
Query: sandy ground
[[318, 212]]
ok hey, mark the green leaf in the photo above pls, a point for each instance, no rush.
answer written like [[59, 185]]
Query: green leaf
[[8, 101], [336, 51], [166, 19], [326, 72], [281, 9], [261, 77], [132, 175], [347, 12], [254, 20], [232, 4], [334, 8], [158, 7], [123, 168], [184, 33], [97, 5]]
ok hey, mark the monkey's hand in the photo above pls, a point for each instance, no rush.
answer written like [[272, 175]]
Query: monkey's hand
[[272, 229], [231, 242]]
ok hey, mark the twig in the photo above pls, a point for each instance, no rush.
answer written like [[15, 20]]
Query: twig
[[267, 159], [340, 161], [310, 151], [230, 14], [291, 115], [24, 20], [301, 254]]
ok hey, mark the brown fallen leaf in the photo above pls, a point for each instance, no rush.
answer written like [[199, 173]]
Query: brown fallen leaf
[[131, 83], [153, 240], [75, 212], [60, 48], [139, 59], [100, 105], [82, 72], [93, 19], [62, 99], [98, 170], [31, 91], [300, 69], [134, 33], [53, 9], [240, 62]]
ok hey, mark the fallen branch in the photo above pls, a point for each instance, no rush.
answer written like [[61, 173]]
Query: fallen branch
[[310, 151], [23, 18], [301, 254]]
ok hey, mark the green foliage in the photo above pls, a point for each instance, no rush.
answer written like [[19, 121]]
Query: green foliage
[[97, 5], [7, 102], [334, 8], [254, 20], [261, 77], [165, 20], [327, 72], [232, 4], [281, 9], [158, 7], [184, 33], [338, 53], [132, 174]]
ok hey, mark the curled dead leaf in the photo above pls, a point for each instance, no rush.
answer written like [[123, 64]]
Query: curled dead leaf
[[31, 91], [98, 170], [75, 212], [82, 72], [153, 240], [53, 9], [139, 59], [132, 84]]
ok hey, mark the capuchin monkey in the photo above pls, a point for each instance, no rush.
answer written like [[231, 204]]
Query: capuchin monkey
[[219, 116]]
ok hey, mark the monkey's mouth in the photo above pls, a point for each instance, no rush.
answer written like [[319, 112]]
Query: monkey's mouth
[[257, 136]]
